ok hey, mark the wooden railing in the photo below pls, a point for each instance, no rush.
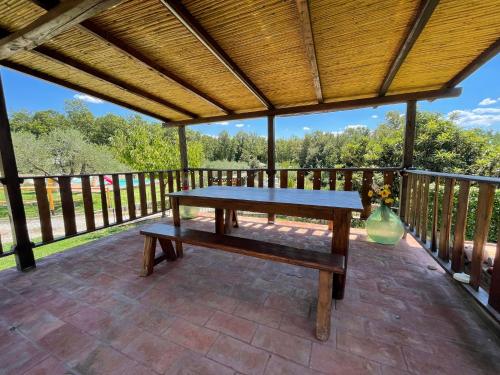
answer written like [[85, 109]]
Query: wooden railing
[[437, 212]]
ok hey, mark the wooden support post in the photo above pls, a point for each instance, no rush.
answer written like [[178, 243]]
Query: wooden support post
[[271, 159], [409, 146], [184, 156], [23, 249]]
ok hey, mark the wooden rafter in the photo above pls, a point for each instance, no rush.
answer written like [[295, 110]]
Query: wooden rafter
[[183, 15], [72, 86], [59, 19], [308, 38], [74, 64], [475, 64], [113, 42], [328, 107], [423, 17]]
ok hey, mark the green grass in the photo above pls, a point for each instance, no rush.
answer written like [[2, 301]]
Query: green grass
[[63, 245]]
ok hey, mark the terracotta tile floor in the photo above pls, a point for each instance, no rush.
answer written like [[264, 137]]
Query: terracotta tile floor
[[87, 312]]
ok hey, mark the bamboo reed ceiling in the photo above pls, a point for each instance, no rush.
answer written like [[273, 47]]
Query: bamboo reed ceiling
[[356, 43]]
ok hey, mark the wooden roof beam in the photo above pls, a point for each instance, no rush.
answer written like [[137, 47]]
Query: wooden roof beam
[[423, 16], [121, 47], [74, 64], [182, 14], [475, 64], [59, 19], [308, 38], [75, 87], [327, 107]]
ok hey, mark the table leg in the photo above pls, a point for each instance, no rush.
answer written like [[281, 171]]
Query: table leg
[[219, 221], [228, 221], [340, 245], [174, 203]]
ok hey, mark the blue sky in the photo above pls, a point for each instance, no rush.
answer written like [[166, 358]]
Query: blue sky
[[478, 106]]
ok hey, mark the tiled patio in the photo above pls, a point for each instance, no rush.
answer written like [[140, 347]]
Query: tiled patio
[[88, 312]]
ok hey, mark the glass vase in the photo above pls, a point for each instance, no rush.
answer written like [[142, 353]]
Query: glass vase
[[384, 226]]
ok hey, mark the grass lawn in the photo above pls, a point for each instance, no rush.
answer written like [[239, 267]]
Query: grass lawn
[[63, 245]]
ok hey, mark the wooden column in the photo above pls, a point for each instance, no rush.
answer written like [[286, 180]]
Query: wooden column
[[271, 158], [409, 146], [23, 249], [184, 155]]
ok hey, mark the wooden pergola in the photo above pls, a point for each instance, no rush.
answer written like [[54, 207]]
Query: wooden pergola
[[201, 61]]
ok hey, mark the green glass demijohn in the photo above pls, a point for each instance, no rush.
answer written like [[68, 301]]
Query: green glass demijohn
[[384, 226]]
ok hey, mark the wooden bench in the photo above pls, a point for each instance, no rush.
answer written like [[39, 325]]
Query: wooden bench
[[327, 264]]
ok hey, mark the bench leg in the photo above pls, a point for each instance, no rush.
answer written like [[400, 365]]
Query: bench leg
[[324, 309], [168, 249], [219, 221], [148, 258], [174, 203], [228, 220], [235, 219]]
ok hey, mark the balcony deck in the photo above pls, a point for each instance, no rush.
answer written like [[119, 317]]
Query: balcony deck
[[86, 311]]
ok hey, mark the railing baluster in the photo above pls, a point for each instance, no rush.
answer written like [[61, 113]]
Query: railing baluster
[[193, 179], [332, 179], [130, 196], [238, 178], [229, 178], [444, 231], [163, 204], [170, 181], [200, 178], [425, 209], [283, 179], [251, 178], [178, 180], [435, 203], [142, 194], [88, 203], [104, 201], [219, 177], [365, 199], [418, 206], [494, 298], [317, 180], [347, 180], [457, 254], [68, 206], [43, 209], [152, 186], [483, 217], [407, 200], [261, 178], [117, 198], [300, 179], [210, 178], [388, 178], [413, 202]]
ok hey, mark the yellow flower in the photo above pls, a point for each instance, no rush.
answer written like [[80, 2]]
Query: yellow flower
[[370, 193], [389, 200], [387, 187], [384, 193]]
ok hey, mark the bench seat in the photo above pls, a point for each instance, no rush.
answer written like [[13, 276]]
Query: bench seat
[[327, 264], [265, 250]]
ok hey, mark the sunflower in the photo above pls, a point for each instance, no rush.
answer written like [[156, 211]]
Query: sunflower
[[384, 193], [389, 200], [370, 193]]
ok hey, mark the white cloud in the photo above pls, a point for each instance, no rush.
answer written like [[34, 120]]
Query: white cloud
[[487, 101], [88, 98], [339, 132], [356, 126], [239, 125], [374, 116], [306, 128], [223, 123], [478, 117]]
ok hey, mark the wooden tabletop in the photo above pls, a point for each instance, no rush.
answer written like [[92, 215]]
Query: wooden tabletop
[[297, 197]]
